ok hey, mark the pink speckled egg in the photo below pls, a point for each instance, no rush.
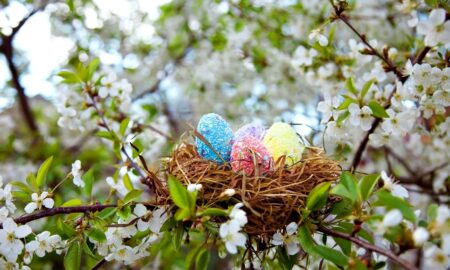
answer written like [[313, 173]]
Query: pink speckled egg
[[248, 152]]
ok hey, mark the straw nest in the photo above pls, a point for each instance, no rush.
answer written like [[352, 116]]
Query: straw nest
[[271, 200]]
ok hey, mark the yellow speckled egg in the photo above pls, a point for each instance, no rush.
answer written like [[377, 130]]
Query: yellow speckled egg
[[282, 140]]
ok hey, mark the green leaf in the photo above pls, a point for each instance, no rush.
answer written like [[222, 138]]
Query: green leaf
[[393, 202], [317, 198], [367, 184], [42, 172], [342, 117], [378, 110], [305, 239], [202, 260], [72, 202], [132, 195], [218, 41], [151, 109], [88, 179], [97, 235], [341, 190], [31, 180], [178, 236], [178, 193], [182, 214], [432, 211], [91, 68], [124, 212], [344, 105], [65, 228], [69, 77], [105, 134], [349, 182], [350, 86], [21, 186], [366, 88], [331, 255], [72, 259], [123, 126], [345, 245], [190, 257], [127, 182], [212, 212], [22, 195], [342, 208], [107, 212]]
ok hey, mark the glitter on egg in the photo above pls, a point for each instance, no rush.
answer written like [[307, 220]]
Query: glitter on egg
[[282, 140], [219, 134], [248, 152], [250, 130]]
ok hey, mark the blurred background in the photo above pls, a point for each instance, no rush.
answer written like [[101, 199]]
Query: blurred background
[[248, 60]]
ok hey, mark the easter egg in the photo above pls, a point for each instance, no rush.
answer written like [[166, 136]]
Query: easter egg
[[282, 140], [219, 135], [249, 153], [250, 130]]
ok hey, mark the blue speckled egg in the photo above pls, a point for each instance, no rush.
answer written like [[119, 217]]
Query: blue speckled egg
[[219, 134], [250, 130]]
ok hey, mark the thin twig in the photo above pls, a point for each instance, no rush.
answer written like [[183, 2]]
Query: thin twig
[[60, 210], [105, 125], [366, 245]]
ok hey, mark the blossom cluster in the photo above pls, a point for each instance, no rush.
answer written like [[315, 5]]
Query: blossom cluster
[[230, 231]]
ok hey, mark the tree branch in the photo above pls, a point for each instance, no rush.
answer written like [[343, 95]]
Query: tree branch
[[390, 66], [7, 50], [368, 246], [60, 210]]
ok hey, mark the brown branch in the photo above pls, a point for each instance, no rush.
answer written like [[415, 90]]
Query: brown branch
[[60, 210], [363, 144], [368, 246], [7, 49]]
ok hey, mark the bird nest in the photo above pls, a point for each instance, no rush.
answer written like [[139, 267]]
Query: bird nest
[[271, 200]]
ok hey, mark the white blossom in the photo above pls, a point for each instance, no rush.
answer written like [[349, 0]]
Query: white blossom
[[420, 236], [360, 116], [10, 244], [7, 198], [436, 29], [436, 259], [443, 214], [238, 214], [390, 219], [395, 189], [77, 173], [289, 239], [231, 235], [229, 192], [44, 243], [39, 201], [398, 124], [119, 186], [194, 187], [153, 223], [4, 213], [316, 35], [303, 56], [123, 254]]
